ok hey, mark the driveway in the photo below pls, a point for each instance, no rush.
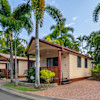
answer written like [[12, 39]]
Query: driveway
[[8, 96], [81, 90]]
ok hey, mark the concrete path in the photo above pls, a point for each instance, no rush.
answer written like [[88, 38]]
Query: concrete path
[[7, 96]]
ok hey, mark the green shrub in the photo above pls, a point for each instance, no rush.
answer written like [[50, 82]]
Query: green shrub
[[96, 69], [46, 75], [1, 75], [31, 73]]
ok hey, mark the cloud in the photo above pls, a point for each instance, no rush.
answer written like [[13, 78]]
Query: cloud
[[44, 34], [70, 24], [74, 18], [50, 2]]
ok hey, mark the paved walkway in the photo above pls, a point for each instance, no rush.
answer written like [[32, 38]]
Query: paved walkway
[[4, 81], [7, 96], [81, 90]]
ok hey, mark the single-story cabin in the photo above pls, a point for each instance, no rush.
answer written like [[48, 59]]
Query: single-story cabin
[[66, 63], [22, 63]]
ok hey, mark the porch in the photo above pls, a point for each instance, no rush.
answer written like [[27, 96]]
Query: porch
[[51, 58], [4, 66]]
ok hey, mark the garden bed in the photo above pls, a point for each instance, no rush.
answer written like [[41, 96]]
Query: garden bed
[[32, 85], [21, 88]]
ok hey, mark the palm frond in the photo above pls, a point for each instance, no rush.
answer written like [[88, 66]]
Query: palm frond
[[21, 10], [5, 8], [71, 36], [26, 23], [96, 13], [54, 13], [52, 27]]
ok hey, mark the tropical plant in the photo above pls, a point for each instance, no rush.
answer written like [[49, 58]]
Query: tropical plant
[[46, 75], [39, 8], [61, 30], [1, 75], [81, 41], [21, 47], [96, 69], [58, 41], [13, 22], [31, 74]]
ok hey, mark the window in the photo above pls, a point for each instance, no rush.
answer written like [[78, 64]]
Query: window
[[52, 61], [85, 63], [79, 62], [31, 64]]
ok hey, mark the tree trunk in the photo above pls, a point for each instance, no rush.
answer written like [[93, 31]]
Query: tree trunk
[[11, 58], [37, 55], [16, 72]]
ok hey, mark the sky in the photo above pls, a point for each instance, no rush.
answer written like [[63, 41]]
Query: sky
[[78, 14]]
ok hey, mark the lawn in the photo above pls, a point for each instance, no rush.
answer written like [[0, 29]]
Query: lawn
[[11, 85]]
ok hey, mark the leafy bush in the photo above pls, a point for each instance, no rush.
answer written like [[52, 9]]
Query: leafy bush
[[1, 75], [46, 75], [31, 75], [96, 72], [96, 69]]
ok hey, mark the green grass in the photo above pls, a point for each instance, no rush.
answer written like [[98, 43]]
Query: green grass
[[11, 85]]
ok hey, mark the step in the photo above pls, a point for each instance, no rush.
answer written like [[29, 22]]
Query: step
[[63, 83], [65, 80]]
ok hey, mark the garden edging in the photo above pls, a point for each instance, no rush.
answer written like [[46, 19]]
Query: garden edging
[[32, 85]]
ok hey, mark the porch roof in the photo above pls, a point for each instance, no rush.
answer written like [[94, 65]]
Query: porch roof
[[7, 56], [32, 42]]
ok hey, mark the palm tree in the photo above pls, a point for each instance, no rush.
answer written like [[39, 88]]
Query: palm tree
[[59, 31], [58, 41], [39, 8], [13, 22], [80, 40], [97, 42]]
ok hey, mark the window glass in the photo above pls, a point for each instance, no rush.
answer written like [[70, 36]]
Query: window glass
[[78, 61], [85, 63], [31, 64], [52, 61]]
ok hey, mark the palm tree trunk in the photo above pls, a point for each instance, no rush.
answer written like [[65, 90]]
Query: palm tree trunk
[[11, 58], [16, 73], [37, 55]]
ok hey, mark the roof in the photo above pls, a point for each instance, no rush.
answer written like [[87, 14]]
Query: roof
[[7, 56], [61, 47], [3, 62]]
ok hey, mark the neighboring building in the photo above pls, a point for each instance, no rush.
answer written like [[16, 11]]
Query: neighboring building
[[66, 63], [21, 62]]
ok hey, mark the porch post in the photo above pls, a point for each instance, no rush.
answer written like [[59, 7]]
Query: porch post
[[28, 60], [7, 69], [59, 65]]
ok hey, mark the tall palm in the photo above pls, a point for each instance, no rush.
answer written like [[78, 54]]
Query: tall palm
[[39, 8], [59, 31], [97, 42], [13, 22], [80, 40]]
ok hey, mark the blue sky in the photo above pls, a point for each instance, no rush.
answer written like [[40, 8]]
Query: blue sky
[[79, 15]]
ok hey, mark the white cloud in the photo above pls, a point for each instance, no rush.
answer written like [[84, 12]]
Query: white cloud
[[74, 18], [44, 34], [51, 2], [70, 24]]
